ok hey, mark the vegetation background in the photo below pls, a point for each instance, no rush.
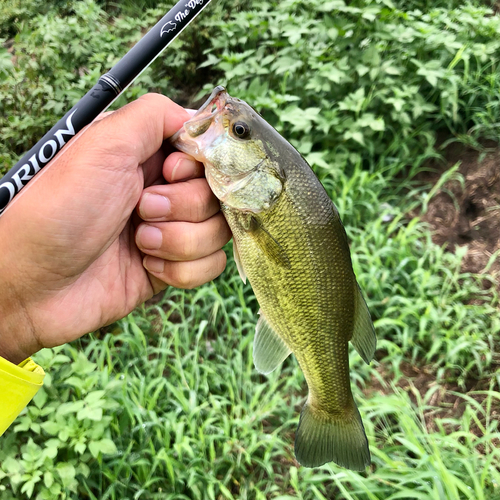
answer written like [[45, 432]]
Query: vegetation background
[[385, 99]]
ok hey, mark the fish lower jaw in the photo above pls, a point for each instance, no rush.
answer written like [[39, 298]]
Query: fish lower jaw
[[183, 142]]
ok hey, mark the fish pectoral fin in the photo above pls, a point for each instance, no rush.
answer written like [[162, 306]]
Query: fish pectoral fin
[[269, 350], [268, 243], [363, 336], [239, 266]]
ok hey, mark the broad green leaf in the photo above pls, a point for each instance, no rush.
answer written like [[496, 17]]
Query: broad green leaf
[[104, 446]]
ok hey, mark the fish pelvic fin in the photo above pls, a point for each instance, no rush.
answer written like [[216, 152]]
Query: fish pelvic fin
[[239, 265], [323, 438], [363, 336], [269, 350]]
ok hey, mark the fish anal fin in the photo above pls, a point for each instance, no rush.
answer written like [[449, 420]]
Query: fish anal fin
[[269, 350], [363, 335], [323, 438], [237, 260]]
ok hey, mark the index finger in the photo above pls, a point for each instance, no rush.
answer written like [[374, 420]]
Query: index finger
[[190, 201], [181, 167]]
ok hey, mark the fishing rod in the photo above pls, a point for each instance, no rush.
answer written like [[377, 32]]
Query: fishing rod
[[99, 97]]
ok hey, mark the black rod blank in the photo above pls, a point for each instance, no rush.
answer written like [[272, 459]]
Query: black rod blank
[[99, 97]]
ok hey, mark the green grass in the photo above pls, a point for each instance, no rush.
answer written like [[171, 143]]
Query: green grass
[[166, 404], [188, 417]]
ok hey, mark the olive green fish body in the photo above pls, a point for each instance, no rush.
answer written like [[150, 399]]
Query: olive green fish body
[[291, 245], [308, 301]]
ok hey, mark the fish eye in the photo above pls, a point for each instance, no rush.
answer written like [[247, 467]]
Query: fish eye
[[241, 130]]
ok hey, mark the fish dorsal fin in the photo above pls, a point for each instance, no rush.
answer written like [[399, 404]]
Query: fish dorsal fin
[[363, 335], [239, 266], [269, 350], [268, 243]]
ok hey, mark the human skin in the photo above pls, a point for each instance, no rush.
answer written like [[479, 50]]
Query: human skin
[[98, 231]]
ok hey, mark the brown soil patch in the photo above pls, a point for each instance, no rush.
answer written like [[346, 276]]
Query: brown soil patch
[[444, 400], [466, 211]]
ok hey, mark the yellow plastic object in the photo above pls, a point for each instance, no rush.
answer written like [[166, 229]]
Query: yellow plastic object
[[18, 385]]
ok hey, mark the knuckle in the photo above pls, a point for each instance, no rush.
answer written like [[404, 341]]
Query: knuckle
[[199, 204], [223, 232], [178, 241], [181, 276], [186, 244], [154, 98], [221, 261], [214, 266]]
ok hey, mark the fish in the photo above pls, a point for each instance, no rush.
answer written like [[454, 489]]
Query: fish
[[289, 242]]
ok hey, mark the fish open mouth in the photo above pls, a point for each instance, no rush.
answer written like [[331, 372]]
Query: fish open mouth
[[188, 138], [203, 118], [216, 101]]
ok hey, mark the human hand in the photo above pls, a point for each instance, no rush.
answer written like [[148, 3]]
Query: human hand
[[72, 250]]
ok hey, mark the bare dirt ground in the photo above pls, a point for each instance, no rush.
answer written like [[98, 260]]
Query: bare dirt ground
[[466, 211]]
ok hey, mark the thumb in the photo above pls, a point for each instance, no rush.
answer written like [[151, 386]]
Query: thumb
[[139, 128]]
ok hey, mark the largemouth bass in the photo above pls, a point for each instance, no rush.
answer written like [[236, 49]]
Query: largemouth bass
[[289, 241]]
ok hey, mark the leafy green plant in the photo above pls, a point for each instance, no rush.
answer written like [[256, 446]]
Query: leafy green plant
[[165, 404], [366, 81], [68, 428]]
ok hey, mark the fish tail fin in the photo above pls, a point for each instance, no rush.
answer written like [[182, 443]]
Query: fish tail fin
[[323, 438]]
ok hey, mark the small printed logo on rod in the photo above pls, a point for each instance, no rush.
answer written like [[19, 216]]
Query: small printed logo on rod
[[168, 27]]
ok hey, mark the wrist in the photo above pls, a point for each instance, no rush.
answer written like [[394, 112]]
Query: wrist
[[11, 349], [13, 357], [15, 331]]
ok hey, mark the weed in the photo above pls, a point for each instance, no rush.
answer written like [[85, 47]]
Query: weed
[[166, 404]]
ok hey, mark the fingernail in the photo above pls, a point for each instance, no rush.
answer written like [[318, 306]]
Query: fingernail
[[183, 169], [154, 205], [153, 264], [149, 237]]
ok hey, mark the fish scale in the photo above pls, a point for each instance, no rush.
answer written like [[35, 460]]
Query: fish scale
[[290, 243], [313, 286]]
